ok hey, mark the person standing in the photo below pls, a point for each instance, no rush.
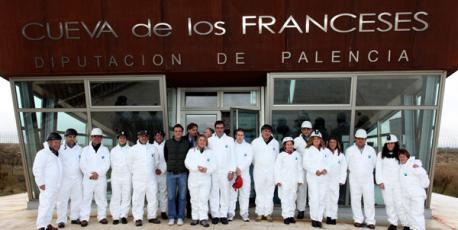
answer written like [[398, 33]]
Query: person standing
[[121, 180], [72, 179], [265, 152], [47, 170], [223, 148], [300, 143], [201, 164], [208, 132], [161, 178], [191, 135], [361, 161]]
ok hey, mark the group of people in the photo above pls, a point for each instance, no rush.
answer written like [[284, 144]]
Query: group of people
[[207, 174]]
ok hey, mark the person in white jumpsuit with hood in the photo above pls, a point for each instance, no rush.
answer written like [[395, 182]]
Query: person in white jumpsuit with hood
[[201, 163], [162, 177], [288, 175], [300, 143], [414, 180], [94, 163], [387, 178], [47, 170], [316, 164], [337, 175], [121, 180], [265, 152], [244, 157], [144, 165], [361, 160], [72, 179], [223, 148]]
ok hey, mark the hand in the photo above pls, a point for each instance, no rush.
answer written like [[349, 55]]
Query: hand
[[279, 184], [230, 176], [202, 169], [42, 187], [382, 186], [94, 176], [158, 172], [324, 172], [415, 166], [318, 173], [238, 172]]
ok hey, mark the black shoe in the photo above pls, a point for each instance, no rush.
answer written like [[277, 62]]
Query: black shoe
[[358, 225], [392, 227], [41, 229], [224, 221], [61, 225], [50, 227], [286, 221], [84, 223], [154, 221], [292, 220], [319, 224], [328, 220], [77, 221], [194, 222], [164, 216], [300, 215], [124, 220], [138, 223], [371, 226], [204, 223], [314, 224], [103, 221], [215, 220], [406, 228], [115, 222], [334, 222]]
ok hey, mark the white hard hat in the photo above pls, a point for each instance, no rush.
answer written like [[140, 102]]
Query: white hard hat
[[286, 139], [306, 125], [316, 133], [96, 132], [391, 139], [361, 133]]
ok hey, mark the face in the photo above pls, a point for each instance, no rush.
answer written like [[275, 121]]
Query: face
[[207, 133], [143, 139], [177, 133], [266, 134], [306, 132], [390, 146], [122, 140], [316, 141], [193, 131], [54, 144], [219, 129], [403, 158], [70, 139], [158, 138], [239, 136], [201, 142], [289, 146], [360, 142], [332, 144], [96, 139]]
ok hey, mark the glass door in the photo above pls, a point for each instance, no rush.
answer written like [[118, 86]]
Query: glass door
[[246, 119], [204, 119]]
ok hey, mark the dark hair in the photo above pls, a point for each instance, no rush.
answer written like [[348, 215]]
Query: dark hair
[[203, 136], [386, 152], [191, 126], [219, 122], [266, 126], [211, 130], [178, 126], [238, 130], [404, 152], [339, 147], [159, 132]]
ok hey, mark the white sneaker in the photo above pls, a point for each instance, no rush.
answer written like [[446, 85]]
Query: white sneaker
[[245, 219], [171, 222], [180, 222]]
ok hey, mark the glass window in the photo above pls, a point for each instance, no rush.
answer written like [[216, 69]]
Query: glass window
[[201, 99], [126, 93], [312, 91], [234, 99], [397, 90], [51, 94], [203, 121]]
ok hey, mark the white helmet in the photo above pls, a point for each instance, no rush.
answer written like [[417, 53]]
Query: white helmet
[[316, 133], [286, 139], [391, 139], [361, 133], [306, 125], [96, 132]]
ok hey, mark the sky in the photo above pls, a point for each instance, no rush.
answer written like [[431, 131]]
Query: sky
[[448, 131]]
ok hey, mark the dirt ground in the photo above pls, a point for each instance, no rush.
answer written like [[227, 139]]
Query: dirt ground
[[446, 172]]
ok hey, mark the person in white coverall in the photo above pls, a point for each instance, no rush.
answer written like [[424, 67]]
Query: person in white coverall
[[316, 164], [47, 170], [288, 175], [121, 180], [94, 163], [162, 177], [414, 180], [71, 187], [265, 152], [387, 178], [223, 149], [361, 161], [201, 163], [337, 175], [144, 166], [244, 157], [300, 143]]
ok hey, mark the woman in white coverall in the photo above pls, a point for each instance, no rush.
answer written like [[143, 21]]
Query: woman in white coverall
[[201, 164], [387, 178], [47, 169], [337, 176], [121, 180], [414, 180], [288, 175], [316, 165]]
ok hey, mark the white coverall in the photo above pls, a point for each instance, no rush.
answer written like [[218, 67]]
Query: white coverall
[[264, 156], [301, 203], [199, 183], [244, 157], [162, 179], [361, 164], [289, 173], [121, 182], [223, 150], [98, 162], [337, 175], [414, 181], [143, 162], [71, 186], [314, 160], [387, 172], [47, 170]]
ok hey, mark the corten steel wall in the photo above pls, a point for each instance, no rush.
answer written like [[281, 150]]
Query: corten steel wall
[[433, 49]]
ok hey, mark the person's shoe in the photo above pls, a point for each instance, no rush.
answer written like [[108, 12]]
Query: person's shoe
[[319, 224], [103, 221], [230, 217], [115, 222], [300, 215], [392, 227], [138, 223], [84, 223], [180, 222], [171, 222], [77, 221], [41, 229], [154, 221], [269, 218], [124, 220], [204, 223], [258, 218], [215, 220], [194, 222], [314, 224], [245, 219], [50, 227], [286, 221], [224, 221], [371, 226], [328, 220], [358, 225], [292, 220], [406, 228], [334, 222], [164, 216], [61, 225]]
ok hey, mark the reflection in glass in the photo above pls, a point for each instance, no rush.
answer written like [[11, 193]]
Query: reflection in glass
[[125, 93], [51, 94], [234, 99], [203, 121], [201, 99]]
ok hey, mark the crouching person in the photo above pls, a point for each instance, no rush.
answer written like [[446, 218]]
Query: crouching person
[[200, 163], [414, 180], [288, 175]]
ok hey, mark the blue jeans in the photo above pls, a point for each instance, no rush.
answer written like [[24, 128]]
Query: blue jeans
[[174, 180]]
